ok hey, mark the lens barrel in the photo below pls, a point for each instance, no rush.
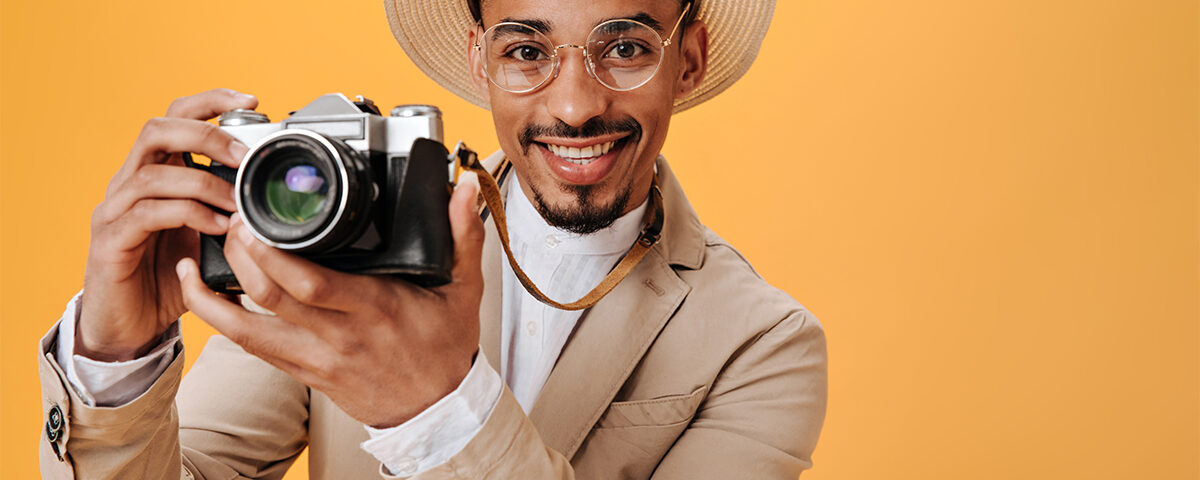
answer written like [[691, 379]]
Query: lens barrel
[[301, 191]]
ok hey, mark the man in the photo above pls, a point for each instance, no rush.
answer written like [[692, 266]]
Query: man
[[691, 367]]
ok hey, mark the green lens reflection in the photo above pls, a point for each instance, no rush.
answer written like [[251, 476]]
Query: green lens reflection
[[296, 194]]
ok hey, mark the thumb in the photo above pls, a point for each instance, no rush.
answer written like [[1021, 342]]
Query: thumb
[[467, 229]]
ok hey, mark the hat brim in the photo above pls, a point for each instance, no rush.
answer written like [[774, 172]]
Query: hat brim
[[434, 35]]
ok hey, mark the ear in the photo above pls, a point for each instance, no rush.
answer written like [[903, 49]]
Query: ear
[[693, 58], [475, 65]]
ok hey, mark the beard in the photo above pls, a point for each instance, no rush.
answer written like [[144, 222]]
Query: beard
[[584, 215]]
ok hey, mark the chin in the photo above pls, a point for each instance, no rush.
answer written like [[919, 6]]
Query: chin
[[580, 212]]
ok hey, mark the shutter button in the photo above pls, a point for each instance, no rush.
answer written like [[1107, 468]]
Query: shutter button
[[54, 429]]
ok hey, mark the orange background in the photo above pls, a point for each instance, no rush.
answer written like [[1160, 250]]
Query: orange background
[[993, 207]]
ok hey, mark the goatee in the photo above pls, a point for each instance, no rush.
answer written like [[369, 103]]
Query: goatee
[[583, 216]]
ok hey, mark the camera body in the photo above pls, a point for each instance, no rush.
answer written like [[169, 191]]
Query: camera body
[[342, 186]]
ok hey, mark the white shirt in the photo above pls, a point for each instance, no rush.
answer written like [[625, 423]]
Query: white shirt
[[563, 265]]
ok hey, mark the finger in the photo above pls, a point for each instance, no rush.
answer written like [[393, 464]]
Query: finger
[[264, 336], [163, 136], [152, 215], [467, 229], [206, 105], [268, 294], [303, 280], [472, 179], [467, 178], [170, 181]]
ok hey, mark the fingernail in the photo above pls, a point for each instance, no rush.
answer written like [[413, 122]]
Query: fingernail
[[183, 269], [237, 150], [222, 221], [246, 97], [469, 182], [473, 193], [468, 178]]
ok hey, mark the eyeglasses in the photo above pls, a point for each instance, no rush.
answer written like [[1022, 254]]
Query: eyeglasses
[[621, 54]]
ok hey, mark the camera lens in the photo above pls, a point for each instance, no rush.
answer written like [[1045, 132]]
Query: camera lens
[[299, 190], [296, 193]]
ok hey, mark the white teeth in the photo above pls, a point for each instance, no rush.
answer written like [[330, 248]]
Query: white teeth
[[581, 156]]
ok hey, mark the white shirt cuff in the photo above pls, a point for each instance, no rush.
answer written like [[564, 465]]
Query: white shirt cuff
[[111, 384], [443, 429]]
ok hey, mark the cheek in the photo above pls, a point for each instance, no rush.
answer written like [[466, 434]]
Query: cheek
[[670, 74], [508, 124], [652, 109], [654, 136]]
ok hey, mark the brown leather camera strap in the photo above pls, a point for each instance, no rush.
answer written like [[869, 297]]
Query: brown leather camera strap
[[652, 224]]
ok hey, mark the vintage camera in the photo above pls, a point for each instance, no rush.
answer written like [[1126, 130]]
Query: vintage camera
[[343, 186]]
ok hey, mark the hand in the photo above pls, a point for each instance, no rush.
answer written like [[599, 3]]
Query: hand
[[148, 220], [382, 349]]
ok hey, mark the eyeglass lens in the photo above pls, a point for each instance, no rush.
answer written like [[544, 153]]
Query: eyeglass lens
[[622, 55]]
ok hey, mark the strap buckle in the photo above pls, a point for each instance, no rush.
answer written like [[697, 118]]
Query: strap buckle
[[652, 232], [463, 159]]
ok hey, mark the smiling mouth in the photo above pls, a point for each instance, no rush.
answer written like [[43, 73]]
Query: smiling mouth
[[582, 155]]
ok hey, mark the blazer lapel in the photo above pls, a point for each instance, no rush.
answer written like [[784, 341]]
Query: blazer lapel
[[611, 337], [606, 346]]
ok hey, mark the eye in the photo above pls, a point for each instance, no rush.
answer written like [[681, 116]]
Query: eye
[[625, 50], [527, 53]]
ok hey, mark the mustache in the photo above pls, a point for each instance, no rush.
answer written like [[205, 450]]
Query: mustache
[[592, 128]]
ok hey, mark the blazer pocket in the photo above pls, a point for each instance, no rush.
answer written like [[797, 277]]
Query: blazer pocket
[[661, 411]]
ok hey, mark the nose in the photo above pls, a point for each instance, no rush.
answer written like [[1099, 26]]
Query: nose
[[574, 96]]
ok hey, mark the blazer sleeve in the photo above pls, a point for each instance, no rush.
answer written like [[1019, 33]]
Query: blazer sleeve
[[761, 419], [237, 417], [508, 446]]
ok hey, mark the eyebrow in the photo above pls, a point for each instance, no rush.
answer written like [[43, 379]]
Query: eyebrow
[[546, 27], [641, 17], [621, 27], [537, 23]]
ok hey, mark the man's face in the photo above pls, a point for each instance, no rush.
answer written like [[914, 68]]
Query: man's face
[[624, 131]]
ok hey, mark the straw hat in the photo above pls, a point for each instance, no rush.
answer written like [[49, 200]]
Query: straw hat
[[434, 34]]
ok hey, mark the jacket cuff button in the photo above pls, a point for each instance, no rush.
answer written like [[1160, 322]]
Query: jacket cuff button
[[54, 428]]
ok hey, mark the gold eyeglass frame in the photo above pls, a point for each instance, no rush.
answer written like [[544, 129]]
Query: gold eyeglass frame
[[587, 59]]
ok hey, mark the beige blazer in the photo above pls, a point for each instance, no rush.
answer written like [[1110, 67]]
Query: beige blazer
[[693, 367]]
